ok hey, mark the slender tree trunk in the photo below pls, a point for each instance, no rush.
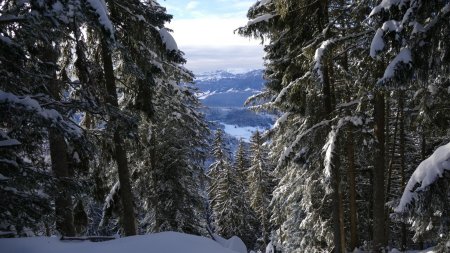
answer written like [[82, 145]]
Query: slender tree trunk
[[126, 195], [391, 161], [379, 239], [155, 180], [327, 91], [392, 155], [402, 164], [338, 214], [58, 154], [352, 191], [63, 201], [423, 146]]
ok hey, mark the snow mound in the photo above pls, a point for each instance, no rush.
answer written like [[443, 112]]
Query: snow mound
[[234, 243], [426, 174], [166, 242]]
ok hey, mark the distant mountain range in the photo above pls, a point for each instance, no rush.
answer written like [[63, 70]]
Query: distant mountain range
[[224, 93], [224, 89]]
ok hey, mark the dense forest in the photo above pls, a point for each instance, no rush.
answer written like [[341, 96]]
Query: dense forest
[[101, 132]]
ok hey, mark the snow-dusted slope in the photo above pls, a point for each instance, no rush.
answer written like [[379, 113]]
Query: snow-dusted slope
[[167, 242], [224, 93], [224, 89]]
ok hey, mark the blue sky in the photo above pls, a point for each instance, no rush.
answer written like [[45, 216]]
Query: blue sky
[[203, 29]]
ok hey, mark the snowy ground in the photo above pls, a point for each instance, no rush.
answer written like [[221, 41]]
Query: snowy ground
[[242, 132], [167, 242]]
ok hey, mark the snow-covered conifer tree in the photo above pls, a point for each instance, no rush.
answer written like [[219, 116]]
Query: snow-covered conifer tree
[[260, 185], [232, 215]]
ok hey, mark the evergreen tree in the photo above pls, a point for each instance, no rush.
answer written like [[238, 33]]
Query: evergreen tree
[[35, 113], [231, 211], [260, 186], [241, 164], [108, 64]]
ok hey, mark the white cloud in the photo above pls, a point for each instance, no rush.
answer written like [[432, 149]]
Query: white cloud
[[192, 5], [205, 33], [209, 31], [210, 58]]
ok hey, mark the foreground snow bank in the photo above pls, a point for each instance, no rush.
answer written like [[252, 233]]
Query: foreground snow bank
[[234, 243], [167, 242]]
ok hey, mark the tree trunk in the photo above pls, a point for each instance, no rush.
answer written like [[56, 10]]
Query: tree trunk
[[390, 165], [58, 154], [402, 164], [379, 239], [423, 156], [126, 195], [63, 200], [338, 215], [327, 91], [155, 179], [352, 190]]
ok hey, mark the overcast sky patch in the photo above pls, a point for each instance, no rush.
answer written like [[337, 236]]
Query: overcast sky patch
[[204, 31]]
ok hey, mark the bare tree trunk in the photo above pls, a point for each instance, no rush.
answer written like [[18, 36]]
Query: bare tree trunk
[[126, 195], [352, 190], [379, 239]]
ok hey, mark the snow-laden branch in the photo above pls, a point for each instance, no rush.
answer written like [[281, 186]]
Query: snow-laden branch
[[386, 5], [168, 40], [426, 174], [378, 43], [326, 45], [280, 121], [289, 150], [264, 3], [100, 8], [284, 91], [7, 141], [108, 202], [263, 18], [31, 105], [403, 58], [330, 145], [320, 52]]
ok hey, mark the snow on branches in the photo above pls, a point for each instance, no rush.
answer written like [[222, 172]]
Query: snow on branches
[[318, 58], [32, 106], [99, 7], [426, 174], [330, 145]]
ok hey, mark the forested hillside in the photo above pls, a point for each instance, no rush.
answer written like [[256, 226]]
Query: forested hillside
[[365, 91], [96, 132], [101, 132]]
